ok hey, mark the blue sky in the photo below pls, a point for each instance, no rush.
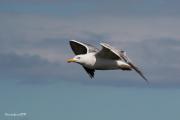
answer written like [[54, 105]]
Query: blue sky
[[34, 46]]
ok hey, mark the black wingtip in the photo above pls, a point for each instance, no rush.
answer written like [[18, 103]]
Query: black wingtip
[[139, 72], [147, 81]]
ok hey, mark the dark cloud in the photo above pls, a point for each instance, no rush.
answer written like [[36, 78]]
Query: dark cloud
[[57, 44], [62, 43], [159, 58], [161, 51], [95, 38], [28, 68]]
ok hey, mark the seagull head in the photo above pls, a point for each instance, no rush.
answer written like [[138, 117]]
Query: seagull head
[[77, 59]]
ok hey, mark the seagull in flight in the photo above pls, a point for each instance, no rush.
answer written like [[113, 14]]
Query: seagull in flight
[[108, 58]]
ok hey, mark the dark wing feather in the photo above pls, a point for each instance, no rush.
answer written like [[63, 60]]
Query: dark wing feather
[[89, 71], [78, 48], [127, 60], [138, 71], [81, 48]]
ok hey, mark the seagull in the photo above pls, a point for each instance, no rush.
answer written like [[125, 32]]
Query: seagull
[[108, 58]]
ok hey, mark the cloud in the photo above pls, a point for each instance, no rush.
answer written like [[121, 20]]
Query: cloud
[[36, 46], [28, 68], [158, 57]]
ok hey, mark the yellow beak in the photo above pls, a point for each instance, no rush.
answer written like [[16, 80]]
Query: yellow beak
[[71, 60]]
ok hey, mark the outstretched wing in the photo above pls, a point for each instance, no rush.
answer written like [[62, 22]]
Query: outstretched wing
[[89, 71], [138, 71], [108, 52], [81, 48], [127, 60]]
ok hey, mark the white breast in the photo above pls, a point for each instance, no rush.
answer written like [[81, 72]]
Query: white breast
[[104, 64]]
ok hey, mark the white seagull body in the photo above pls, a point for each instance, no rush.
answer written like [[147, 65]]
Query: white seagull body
[[108, 58]]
